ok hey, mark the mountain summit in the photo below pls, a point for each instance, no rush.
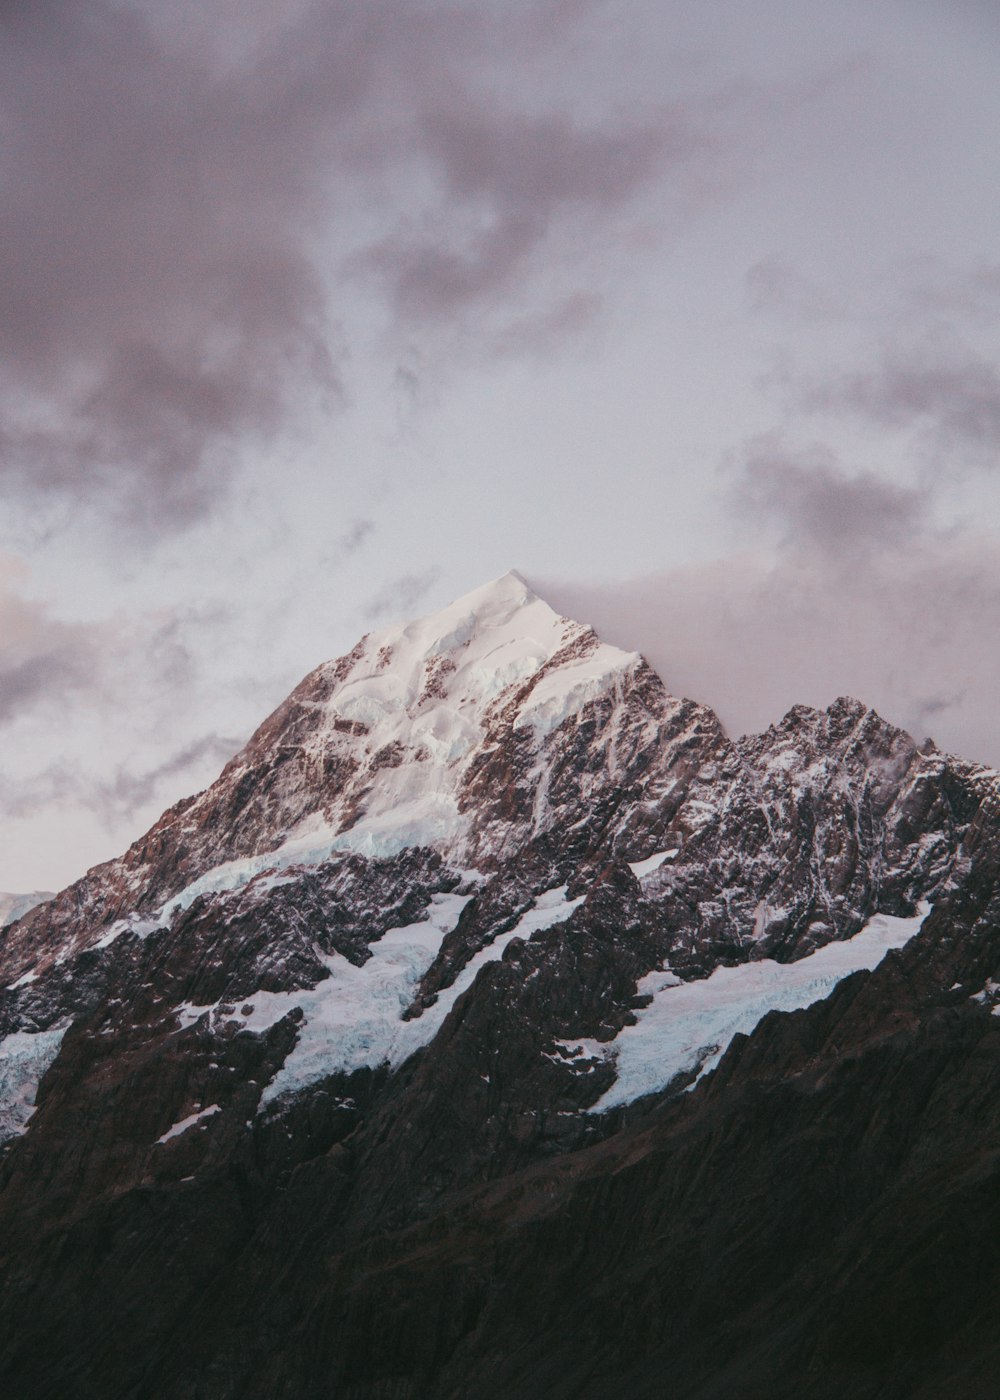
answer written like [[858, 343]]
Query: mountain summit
[[462, 923]]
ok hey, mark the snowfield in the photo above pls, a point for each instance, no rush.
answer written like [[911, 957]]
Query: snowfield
[[353, 1019], [688, 1025], [24, 1058]]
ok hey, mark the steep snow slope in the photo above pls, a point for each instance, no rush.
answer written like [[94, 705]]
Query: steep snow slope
[[687, 1026], [15, 906]]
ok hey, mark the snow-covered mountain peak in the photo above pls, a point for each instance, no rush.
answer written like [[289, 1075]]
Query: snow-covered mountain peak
[[404, 720], [469, 732], [454, 664], [14, 906]]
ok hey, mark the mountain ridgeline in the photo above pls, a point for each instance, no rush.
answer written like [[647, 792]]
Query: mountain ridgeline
[[496, 1025]]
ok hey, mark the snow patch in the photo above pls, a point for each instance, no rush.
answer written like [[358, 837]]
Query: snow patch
[[188, 1122], [688, 1025], [353, 1019], [24, 1058], [188, 1013], [641, 868], [139, 925]]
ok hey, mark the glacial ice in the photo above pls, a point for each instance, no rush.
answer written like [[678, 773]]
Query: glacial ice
[[24, 1058], [688, 1025], [353, 1018]]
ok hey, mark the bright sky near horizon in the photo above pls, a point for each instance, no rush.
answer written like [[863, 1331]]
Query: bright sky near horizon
[[317, 315]]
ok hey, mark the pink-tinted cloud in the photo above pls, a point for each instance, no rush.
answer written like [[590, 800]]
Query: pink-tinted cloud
[[862, 596], [180, 195]]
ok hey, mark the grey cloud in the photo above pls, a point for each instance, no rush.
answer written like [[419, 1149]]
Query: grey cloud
[[342, 548], [912, 633], [355, 536], [113, 799], [47, 675], [181, 189], [956, 401], [41, 659], [775, 286], [400, 597], [942, 293], [543, 332], [128, 792], [509, 177], [49, 664], [818, 505], [157, 304]]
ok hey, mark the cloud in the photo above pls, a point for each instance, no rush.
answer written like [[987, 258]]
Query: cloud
[[546, 331], [109, 689], [159, 303], [508, 178], [912, 636], [817, 505], [115, 799], [185, 193], [775, 286], [42, 659], [353, 538], [49, 665], [862, 596], [951, 399], [402, 596]]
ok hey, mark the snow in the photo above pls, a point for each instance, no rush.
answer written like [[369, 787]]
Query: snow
[[188, 1013], [688, 1025], [353, 1018], [188, 1122], [426, 690], [641, 868], [139, 925], [24, 1058], [566, 690], [15, 906]]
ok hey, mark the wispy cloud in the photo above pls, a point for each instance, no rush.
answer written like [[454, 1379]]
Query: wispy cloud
[[182, 195], [42, 659], [50, 666], [816, 504], [949, 398], [508, 178], [116, 798], [401, 596], [860, 594]]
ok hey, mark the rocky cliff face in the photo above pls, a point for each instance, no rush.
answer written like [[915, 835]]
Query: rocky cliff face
[[443, 943]]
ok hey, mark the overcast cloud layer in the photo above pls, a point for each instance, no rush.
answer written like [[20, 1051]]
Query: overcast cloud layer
[[317, 315]]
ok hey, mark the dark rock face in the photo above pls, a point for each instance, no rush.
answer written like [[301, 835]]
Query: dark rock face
[[313, 1119]]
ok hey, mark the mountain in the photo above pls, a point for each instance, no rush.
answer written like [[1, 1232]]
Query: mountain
[[497, 1025], [15, 906]]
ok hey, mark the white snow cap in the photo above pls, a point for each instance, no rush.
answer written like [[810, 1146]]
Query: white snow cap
[[416, 706]]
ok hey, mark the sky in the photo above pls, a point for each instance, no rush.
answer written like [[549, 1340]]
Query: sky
[[314, 316]]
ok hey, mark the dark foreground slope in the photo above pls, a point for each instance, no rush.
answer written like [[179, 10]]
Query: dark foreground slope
[[310, 1121], [818, 1219]]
